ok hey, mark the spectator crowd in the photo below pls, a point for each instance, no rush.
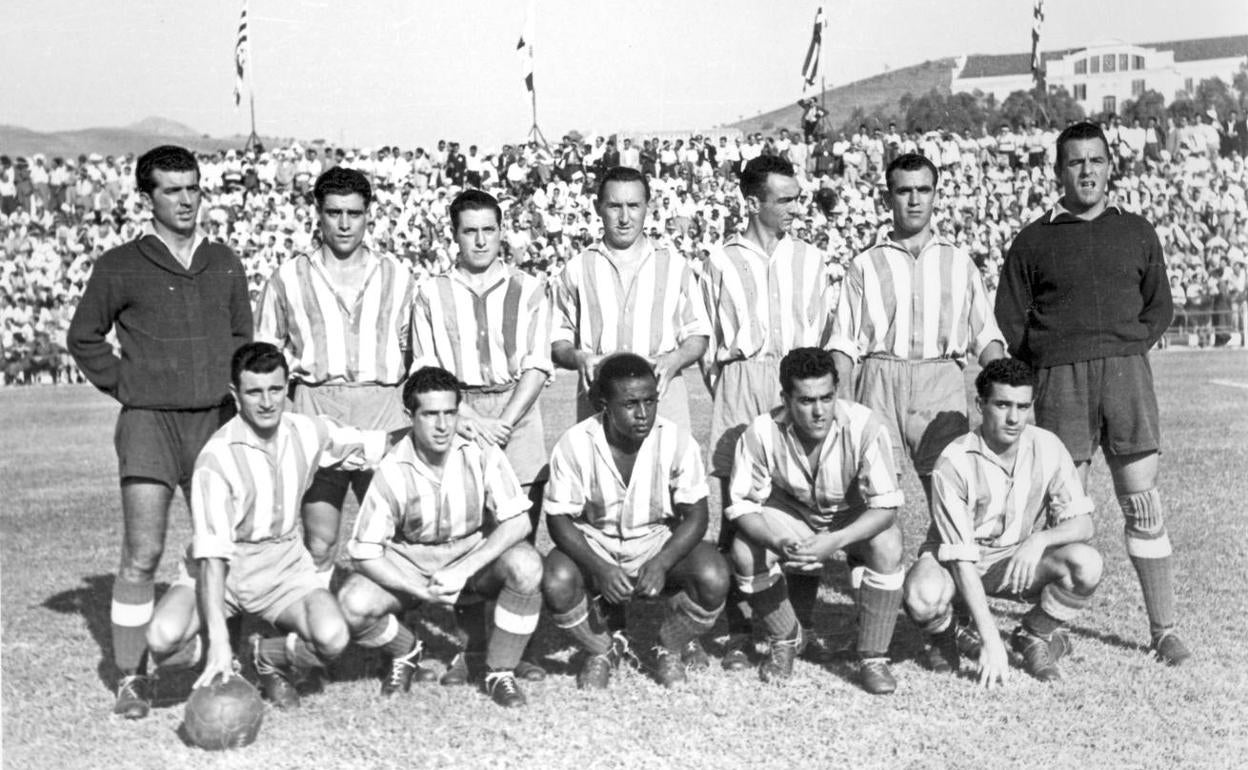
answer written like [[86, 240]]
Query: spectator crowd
[[58, 216]]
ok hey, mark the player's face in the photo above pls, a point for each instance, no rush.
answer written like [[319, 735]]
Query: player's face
[[434, 421], [1006, 412], [622, 207], [175, 200], [261, 398], [344, 220], [1085, 175], [478, 237], [911, 199], [810, 406], [629, 410], [779, 205]]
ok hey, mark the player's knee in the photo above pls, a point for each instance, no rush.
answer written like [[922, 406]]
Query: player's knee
[[1086, 567], [331, 637], [163, 635], [924, 595], [885, 550], [711, 580], [561, 583], [522, 568], [744, 556], [140, 561], [357, 610]]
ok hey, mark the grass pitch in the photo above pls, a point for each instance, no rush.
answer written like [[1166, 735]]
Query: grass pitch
[[61, 531]]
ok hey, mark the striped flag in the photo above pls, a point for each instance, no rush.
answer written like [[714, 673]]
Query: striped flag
[[242, 53], [1037, 19], [525, 47], [810, 67]]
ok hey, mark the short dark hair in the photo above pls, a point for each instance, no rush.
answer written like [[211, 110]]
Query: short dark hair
[[754, 175], [806, 364], [474, 200], [166, 157], [342, 181], [429, 379], [623, 174], [910, 161], [1075, 132], [620, 366], [1006, 371], [257, 358]]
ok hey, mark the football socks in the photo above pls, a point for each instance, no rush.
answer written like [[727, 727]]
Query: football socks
[[878, 602]]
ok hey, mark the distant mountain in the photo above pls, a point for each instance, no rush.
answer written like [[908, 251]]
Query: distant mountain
[[136, 138]]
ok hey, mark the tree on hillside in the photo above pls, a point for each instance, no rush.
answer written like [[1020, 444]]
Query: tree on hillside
[[1182, 108], [1214, 93], [1240, 84], [1151, 104], [961, 112], [1057, 107]]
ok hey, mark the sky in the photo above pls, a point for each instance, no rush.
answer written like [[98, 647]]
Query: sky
[[408, 72]]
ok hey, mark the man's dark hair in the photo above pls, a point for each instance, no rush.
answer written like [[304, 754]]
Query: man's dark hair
[[342, 181], [620, 366], [1075, 132], [429, 379], [474, 200], [1006, 371], [805, 364], [910, 161], [623, 174], [167, 157], [257, 358], [754, 175]]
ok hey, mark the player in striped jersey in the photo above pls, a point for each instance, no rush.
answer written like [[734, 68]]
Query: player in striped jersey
[[443, 516], [627, 294], [245, 553], [765, 293], [488, 323], [626, 508], [1009, 519], [341, 314], [811, 478]]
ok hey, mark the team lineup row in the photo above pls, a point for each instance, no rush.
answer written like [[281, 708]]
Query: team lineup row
[[1082, 299]]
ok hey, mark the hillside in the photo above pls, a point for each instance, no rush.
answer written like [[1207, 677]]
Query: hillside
[[135, 138], [885, 88]]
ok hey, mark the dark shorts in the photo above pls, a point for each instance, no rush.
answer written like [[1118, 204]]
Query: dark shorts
[[1105, 402], [367, 407], [162, 444], [923, 403]]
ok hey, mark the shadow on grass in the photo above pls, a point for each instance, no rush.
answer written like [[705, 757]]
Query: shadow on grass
[[93, 601]]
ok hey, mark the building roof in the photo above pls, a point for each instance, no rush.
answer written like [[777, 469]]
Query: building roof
[[997, 65]]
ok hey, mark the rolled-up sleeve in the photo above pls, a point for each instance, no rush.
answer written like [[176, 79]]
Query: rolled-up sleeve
[[750, 482], [213, 510], [952, 515], [380, 514]]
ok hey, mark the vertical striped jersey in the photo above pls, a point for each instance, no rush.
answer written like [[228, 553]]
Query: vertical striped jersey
[[930, 306], [764, 306], [652, 315], [854, 472], [410, 502], [586, 484], [979, 503], [484, 339], [329, 338], [244, 491]]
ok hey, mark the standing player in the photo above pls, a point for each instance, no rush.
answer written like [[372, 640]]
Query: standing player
[[811, 478], [1009, 518], [1083, 296], [340, 313], [626, 294], [489, 324], [180, 308], [626, 509], [245, 553], [766, 293], [442, 516]]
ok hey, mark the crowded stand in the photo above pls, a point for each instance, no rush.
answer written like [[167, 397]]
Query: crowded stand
[[60, 214]]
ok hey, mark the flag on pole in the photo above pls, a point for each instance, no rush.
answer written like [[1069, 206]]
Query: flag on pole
[[1037, 18], [242, 53], [810, 67], [525, 47]]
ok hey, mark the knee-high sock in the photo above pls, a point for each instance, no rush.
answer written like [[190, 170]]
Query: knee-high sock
[[878, 602], [685, 619], [389, 635], [804, 595], [515, 620], [586, 628], [133, 603], [288, 651], [473, 629], [1148, 546], [187, 655], [774, 610], [1057, 606]]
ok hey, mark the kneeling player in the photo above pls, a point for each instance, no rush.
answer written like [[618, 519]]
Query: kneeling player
[[246, 553], [1009, 519], [443, 515], [810, 478], [626, 508]]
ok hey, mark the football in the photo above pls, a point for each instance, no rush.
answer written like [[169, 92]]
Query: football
[[224, 715]]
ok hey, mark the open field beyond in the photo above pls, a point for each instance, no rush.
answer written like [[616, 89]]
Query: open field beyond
[[61, 528]]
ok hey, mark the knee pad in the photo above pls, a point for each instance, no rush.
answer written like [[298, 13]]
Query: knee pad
[[1143, 512]]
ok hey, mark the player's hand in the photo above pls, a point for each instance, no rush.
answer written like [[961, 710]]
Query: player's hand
[[651, 579], [587, 367], [665, 369], [613, 584], [492, 431], [1023, 566], [994, 663], [219, 661], [446, 584], [814, 549]]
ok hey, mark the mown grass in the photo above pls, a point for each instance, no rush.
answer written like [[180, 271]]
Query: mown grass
[[1116, 707]]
